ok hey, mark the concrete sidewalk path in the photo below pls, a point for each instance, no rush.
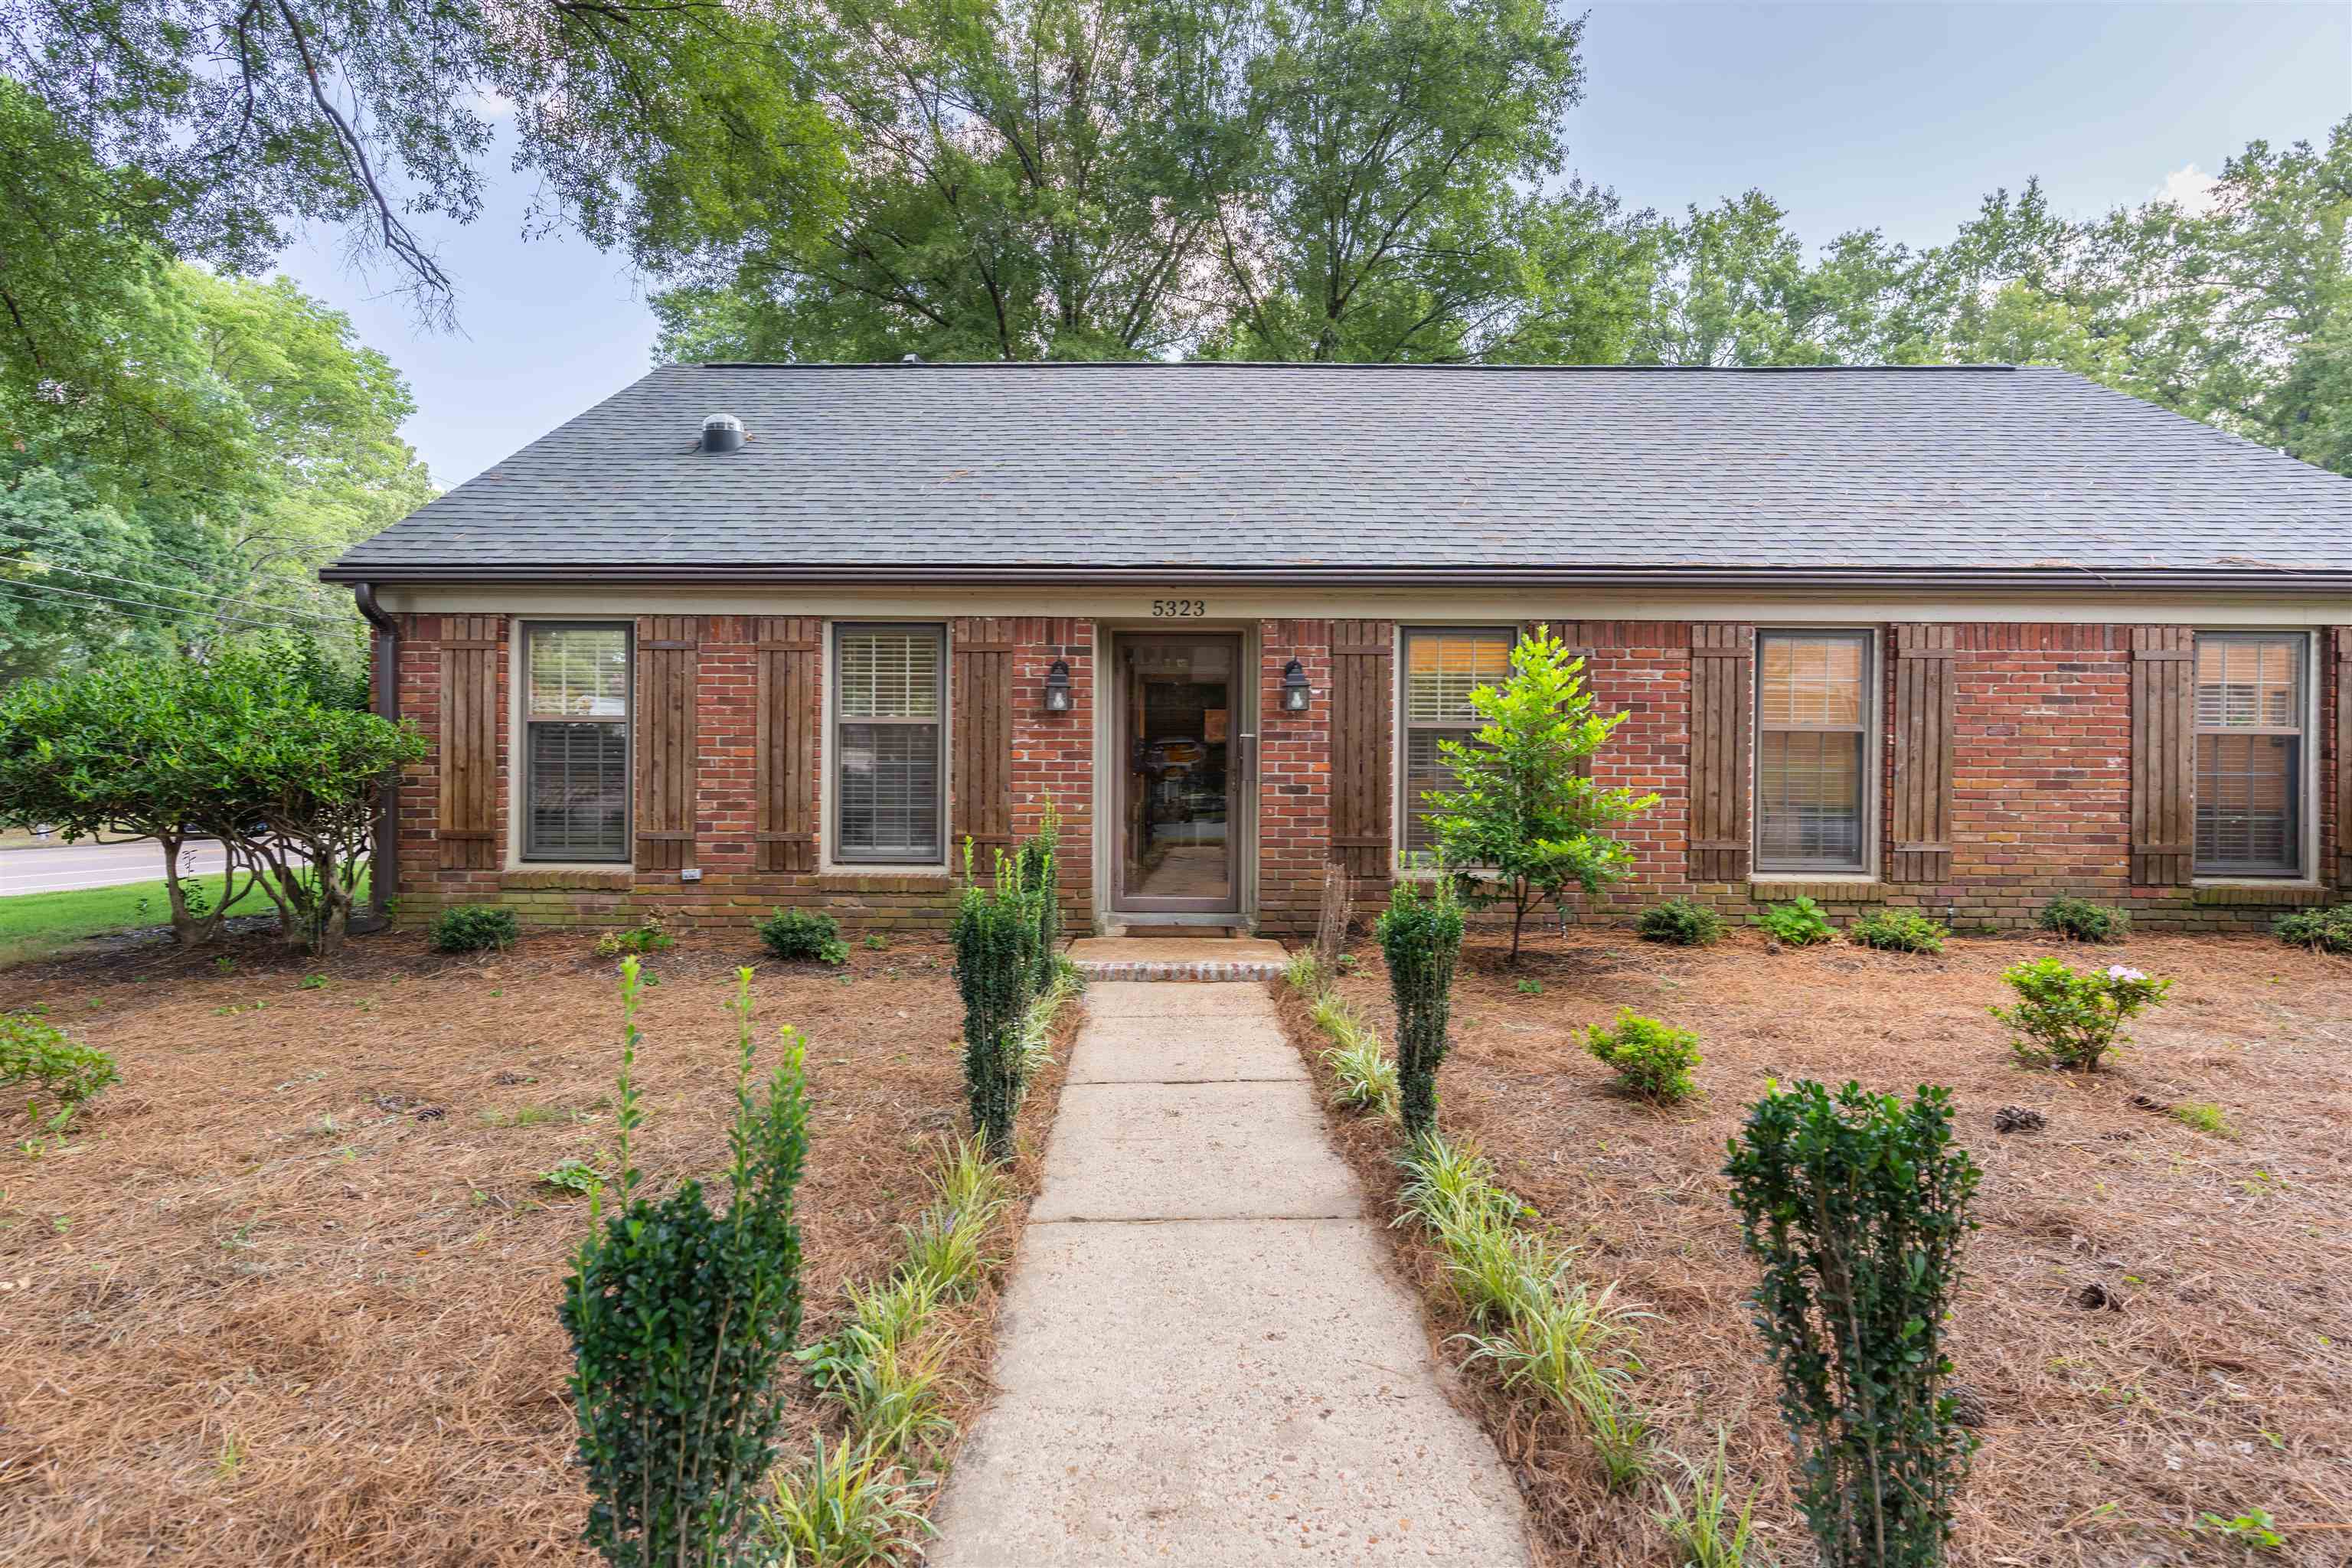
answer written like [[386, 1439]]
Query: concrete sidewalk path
[[1203, 1359]]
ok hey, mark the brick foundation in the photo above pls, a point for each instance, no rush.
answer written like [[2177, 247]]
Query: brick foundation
[[2041, 801]]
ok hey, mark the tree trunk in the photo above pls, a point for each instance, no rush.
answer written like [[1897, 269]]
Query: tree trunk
[[188, 929], [1518, 919]]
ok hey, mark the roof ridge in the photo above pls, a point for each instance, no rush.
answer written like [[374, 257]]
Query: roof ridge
[[1322, 365]]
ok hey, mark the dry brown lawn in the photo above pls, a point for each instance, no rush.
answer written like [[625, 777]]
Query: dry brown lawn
[[288, 1294], [2220, 1379]]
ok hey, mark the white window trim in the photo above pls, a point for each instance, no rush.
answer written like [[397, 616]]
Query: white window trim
[[1873, 739], [518, 716], [829, 864], [2308, 876]]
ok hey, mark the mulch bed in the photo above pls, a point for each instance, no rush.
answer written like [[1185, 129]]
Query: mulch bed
[[2157, 1321], [289, 1294]]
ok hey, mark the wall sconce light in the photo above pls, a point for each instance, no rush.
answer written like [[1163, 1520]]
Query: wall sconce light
[[1294, 691], [1057, 687]]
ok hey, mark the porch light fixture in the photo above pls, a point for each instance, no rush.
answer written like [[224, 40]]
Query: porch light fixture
[[1057, 687], [1294, 691]]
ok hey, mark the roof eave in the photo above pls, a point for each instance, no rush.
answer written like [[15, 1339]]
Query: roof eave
[[2300, 583]]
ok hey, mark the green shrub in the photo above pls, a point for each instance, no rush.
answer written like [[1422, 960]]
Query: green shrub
[[804, 934], [1855, 1206], [1898, 931], [2205, 1116], [474, 928], [2322, 930], [1650, 1058], [994, 937], [1680, 921], [681, 1318], [649, 937], [1797, 923], [37, 1060], [2070, 1018], [1421, 936], [2083, 921], [1041, 888], [1365, 1078]]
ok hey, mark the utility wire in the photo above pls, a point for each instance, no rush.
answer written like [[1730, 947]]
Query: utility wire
[[206, 565], [180, 612], [167, 588]]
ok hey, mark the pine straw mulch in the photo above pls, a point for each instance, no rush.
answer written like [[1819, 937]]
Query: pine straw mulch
[[2219, 1378], [288, 1295]]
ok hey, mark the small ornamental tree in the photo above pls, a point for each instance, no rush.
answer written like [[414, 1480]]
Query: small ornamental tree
[[995, 938], [680, 1320], [1524, 821], [1855, 1206], [1421, 938]]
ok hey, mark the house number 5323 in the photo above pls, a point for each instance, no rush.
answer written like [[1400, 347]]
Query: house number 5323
[[1179, 609]]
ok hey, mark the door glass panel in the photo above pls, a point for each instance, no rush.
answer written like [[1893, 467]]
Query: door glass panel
[[1177, 844]]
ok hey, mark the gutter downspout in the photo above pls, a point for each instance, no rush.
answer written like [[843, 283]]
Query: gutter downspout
[[384, 679]]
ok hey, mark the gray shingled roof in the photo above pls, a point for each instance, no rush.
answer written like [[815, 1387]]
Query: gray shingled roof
[[1426, 469]]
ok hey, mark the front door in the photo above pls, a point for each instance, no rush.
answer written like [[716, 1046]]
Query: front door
[[1180, 734]]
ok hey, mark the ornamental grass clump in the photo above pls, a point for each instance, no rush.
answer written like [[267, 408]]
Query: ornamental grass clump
[[1421, 936], [680, 1320], [2070, 1018], [1653, 1060], [1854, 1205]]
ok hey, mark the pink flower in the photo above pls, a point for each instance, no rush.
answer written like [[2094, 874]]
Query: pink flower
[[2118, 973]]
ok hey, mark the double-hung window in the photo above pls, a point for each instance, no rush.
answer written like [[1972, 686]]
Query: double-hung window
[[1813, 711], [575, 742], [2251, 714], [1442, 665], [889, 686]]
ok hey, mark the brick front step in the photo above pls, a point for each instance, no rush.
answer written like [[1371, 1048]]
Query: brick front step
[[1177, 958]]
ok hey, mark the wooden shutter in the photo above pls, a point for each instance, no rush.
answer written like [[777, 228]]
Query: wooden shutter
[[980, 756], [2343, 649], [2163, 742], [667, 655], [1722, 735], [468, 825], [1926, 657], [788, 662], [1363, 763]]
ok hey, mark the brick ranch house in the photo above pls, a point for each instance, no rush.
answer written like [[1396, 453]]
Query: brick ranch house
[[746, 636]]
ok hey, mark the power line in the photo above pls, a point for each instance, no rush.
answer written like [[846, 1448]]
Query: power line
[[167, 588], [10, 585]]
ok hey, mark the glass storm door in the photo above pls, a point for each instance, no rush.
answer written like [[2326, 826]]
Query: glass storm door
[[1179, 734]]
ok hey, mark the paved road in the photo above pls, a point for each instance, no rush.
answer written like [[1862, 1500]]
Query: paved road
[[71, 866], [1206, 1357]]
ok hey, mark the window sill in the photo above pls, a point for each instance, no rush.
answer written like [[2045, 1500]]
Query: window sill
[[2284, 891], [1823, 887]]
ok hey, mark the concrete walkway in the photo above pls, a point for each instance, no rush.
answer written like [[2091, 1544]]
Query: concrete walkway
[[1203, 1359]]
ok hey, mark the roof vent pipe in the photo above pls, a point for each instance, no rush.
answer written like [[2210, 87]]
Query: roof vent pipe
[[722, 433]]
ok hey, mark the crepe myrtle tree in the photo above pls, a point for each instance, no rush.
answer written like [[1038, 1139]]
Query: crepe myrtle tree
[[1524, 821]]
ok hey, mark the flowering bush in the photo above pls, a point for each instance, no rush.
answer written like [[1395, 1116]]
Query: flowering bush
[[2071, 1019]]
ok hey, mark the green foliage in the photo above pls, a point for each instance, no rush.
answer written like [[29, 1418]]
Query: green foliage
[[947, 1250], [2322, 930], [2083, 921], [1551, 1337], [887, 1389], [38, 1060], [1523, 819], [1855, 1206], [2253, 1530], [1705, 1531], [1364, 1078], [1898, 931], [2205, 1117], [2071, 1019], [1797, 923], [679, 1320], [849, 1507], [1302, 972], [1681, 922], [1040, 885], [798, 935], [640, 940], [474, 928], [575, 1176], [1650, 1058], [995, 938], [1421, 937]]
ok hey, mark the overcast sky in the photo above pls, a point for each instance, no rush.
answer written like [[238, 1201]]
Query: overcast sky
[[1891, 116]]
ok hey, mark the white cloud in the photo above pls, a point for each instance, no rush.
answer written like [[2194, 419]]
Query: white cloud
[[2191, 189]]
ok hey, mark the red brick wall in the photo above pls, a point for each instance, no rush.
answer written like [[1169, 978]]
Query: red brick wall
[[2042, 793]]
